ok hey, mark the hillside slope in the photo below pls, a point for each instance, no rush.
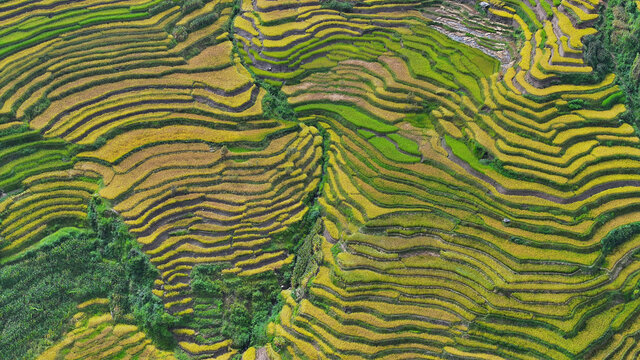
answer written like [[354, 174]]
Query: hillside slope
[[323, 179]]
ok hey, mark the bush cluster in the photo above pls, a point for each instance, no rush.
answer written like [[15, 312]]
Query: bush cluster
[[619, 236], [615, 48], [239, 308], [202, 21], [342, 6], [275, 104], [160, 7], [190, 5]]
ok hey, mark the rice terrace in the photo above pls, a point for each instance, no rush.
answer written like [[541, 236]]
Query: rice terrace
[[319, 179]]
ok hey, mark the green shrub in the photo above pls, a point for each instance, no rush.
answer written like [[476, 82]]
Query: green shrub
[[275, 104], [203, 21], [160, 7], [36, 109], [236, 308], [619, 236], [342, 6], [614, 48], [180, 33], [190, 5], [576, 104], [478, 150]]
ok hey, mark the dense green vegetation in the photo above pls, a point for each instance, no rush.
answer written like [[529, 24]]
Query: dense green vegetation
[[308, 258], [344, 6], [131, 290], [239, 308], [616, 48], [40, 291], [618, 236], [232, 307], [275, 105]]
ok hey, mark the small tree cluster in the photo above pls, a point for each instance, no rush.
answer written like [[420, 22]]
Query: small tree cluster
[[619, 236], [190, 5], [342, 6]]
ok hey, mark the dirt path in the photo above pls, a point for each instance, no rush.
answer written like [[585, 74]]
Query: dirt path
[[261, 354]]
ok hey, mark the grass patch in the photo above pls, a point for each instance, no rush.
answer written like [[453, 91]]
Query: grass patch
[[461, 150], [389, 150], [422, 121], [406, 145], [355, 117]]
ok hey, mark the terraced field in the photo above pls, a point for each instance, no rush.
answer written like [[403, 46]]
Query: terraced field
[[421, 179], [96, 336]]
